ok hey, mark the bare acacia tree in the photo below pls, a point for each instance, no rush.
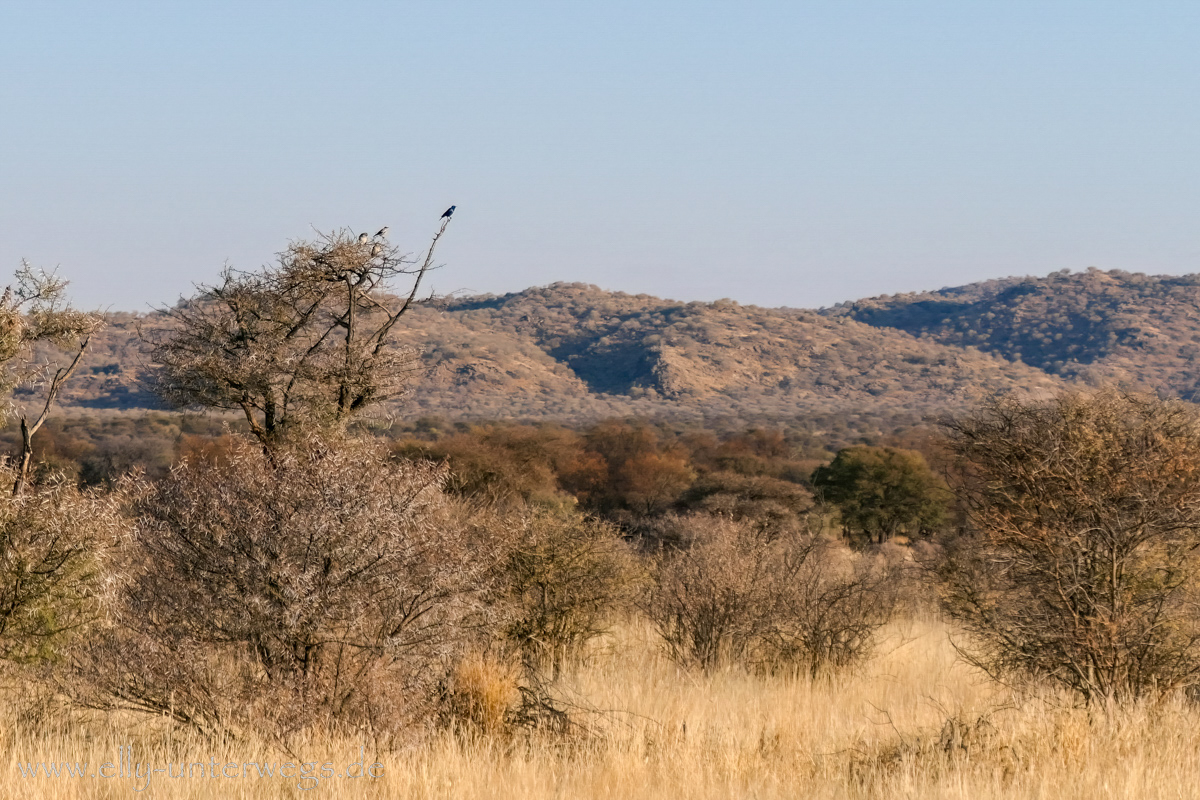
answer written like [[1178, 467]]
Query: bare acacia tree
[[1081, 560], [309, 340], [34, 314]]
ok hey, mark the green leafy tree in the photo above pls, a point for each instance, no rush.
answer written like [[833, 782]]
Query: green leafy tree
[[882, 492]]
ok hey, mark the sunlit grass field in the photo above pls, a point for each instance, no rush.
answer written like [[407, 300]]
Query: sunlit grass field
[[915, 721]]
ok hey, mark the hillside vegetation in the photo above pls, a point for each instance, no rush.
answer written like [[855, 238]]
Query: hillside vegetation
[[1094, 326]]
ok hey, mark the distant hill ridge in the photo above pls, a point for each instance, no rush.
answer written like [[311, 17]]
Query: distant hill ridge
[[572, 351]]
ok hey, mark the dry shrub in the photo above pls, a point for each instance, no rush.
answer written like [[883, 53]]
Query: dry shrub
[[489, 693], [1081, 560], [792, 599], [566, 578], [321, 588], [563, 581]]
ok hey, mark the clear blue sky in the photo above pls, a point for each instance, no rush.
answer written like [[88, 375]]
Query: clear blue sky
[[779, 153]]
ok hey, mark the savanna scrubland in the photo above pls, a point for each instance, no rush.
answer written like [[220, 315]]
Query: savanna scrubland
[[1000, 601]]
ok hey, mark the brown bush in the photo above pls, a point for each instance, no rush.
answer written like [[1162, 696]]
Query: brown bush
[[740, 593], [643, 476], [651, 482], [325, 588]]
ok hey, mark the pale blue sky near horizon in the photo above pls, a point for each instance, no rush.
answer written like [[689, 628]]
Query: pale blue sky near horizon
[[777, 153]]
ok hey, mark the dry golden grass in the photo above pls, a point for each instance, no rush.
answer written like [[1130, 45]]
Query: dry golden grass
[[913, 723]]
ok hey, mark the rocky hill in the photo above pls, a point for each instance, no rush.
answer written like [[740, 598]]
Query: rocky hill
[[611, 352], [575, 352]]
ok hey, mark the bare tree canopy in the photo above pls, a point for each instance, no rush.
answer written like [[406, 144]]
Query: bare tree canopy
[[34, 313], [307, 341]]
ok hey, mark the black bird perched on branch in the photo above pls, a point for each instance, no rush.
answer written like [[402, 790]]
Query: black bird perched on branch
[[382, 232], [449, 212]]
